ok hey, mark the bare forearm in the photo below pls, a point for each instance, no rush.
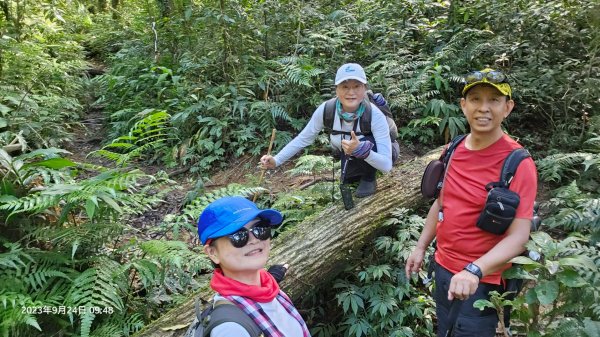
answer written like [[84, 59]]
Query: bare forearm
[[512, 245], [428, 233]]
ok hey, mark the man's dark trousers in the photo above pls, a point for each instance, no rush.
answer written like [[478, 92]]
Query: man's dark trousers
[[471, 322]]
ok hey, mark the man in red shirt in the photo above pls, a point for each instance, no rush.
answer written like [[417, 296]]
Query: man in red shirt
[[469, 260]]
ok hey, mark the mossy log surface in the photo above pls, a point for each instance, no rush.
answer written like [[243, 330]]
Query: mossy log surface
[[318, 249]]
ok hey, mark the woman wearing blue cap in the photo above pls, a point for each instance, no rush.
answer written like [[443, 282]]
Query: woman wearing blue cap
[[368, 150], [236, 235]]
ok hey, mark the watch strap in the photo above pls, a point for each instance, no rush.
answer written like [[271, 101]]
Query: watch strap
[[474, 269]]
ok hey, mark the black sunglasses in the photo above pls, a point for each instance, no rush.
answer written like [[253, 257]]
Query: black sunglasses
[[494, 76], [261, 231]]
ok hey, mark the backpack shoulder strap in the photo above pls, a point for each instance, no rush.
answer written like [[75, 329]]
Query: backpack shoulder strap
[[445, 157], [329, 115], [365, 119], [225, 311], [384, 108], [511, 163]]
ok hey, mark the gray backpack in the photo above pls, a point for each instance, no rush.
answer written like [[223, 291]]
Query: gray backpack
[[219, 313]]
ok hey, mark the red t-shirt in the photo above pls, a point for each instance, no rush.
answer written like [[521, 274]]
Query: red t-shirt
[[459, 240]]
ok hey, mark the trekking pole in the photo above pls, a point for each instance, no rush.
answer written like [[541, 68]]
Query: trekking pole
[[453, 315], [262, 174], [344, 188]]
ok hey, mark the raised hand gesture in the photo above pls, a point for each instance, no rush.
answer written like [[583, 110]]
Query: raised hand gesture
[[350, 145]]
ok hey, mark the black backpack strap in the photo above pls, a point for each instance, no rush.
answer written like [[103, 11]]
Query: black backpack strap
[[329, 115], [225, 311], [445, 157], [365, 119], [511, 163], [509, 168]]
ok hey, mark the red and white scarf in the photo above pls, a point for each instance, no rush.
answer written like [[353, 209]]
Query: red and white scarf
[[247, 297]]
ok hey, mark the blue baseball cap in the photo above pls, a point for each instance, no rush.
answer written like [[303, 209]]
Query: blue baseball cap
[[227, 215], [350, 71]]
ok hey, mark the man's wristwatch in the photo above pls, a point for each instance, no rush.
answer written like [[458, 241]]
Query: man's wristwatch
[[473, 269]]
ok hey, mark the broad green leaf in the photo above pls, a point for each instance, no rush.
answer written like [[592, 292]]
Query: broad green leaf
[[5, 159], [517, 273], [74, 248], [542, 239], [54, 163], [111, 202], [482, 304], [547, 292], [591, 328], [571, 278], [552, 266], [90, 208], [531, 296], [578, 262], [525, 261]]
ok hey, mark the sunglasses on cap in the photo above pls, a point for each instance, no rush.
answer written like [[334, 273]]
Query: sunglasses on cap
[[261, 230], [493, 76]]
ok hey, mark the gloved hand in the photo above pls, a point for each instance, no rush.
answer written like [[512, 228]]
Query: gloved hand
[[278, 271]]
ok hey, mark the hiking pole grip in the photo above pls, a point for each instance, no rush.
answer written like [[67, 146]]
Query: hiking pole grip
[[262, 174]]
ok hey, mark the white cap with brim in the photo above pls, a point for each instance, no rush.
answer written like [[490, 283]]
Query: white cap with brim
[[350, 71]]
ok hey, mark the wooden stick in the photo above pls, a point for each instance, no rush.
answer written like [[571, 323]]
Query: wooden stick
[[262, 174]]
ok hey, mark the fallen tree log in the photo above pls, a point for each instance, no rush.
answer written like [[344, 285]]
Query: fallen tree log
[[318, 248]]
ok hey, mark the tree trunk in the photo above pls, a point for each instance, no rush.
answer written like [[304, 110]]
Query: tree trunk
[[318, 249], [114, 5]]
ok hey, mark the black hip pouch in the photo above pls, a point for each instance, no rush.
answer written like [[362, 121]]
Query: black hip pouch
[[499, 211]]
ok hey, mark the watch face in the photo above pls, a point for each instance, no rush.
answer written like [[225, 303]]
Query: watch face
[[473, 269]]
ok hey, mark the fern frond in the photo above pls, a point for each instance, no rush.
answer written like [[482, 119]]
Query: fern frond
[[98, 287], [14, 257], [555, 167], [12, 314], [33, 203], [175, 253], [192, 211], [148, 271], [107, 330], [147, 135], [69, 239], [593, 144], [133, 323], [311, 165]]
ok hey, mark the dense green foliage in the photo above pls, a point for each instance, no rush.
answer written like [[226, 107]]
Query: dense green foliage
[[196, 83], [376, 298]]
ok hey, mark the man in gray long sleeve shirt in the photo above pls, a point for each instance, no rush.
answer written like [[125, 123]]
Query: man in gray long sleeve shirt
[[368, 153]]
